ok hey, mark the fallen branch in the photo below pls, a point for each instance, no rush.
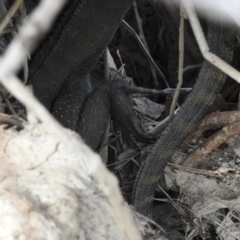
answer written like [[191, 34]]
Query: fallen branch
[[214, 121], [202, 43], [212, 143]]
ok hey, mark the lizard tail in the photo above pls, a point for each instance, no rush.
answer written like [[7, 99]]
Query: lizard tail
[[208, 85]]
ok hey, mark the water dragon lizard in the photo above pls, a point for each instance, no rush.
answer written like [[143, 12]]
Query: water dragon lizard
[[62, 72]]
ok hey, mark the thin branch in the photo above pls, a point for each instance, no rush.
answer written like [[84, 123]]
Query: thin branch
[[104, 151], [11, 121], [218, 8], [106, 70], [168, 103], [180, 63], [175, 205], [131, 31], [142, 37], [7, 102], [16, 53], [202, 43], [212, 143], [185, 69], [213, 121], [216, 173], [10, 14]]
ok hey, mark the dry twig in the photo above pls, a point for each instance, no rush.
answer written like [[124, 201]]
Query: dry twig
[[180, 63], [10, 14], [130, 30], [142, 37], [212, 143], [214, 121], [202, 43]]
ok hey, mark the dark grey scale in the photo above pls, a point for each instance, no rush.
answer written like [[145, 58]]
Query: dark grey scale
[[94, 115], [65, 60], [122, 109], [113, 97], [71, 106], [60, 74], [127, 136]]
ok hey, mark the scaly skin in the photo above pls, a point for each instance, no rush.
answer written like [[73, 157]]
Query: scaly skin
[[206, 88], [113, 97], [60, 79], [59, 74]]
